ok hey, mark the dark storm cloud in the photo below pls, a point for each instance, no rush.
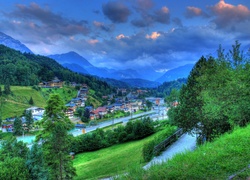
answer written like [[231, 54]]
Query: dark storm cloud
[[116, 11], [43, 24]]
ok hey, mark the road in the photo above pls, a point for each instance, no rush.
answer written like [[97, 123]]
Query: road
[[185, 143], [76, 132]]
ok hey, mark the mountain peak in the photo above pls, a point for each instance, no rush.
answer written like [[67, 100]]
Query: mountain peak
[[13, 43], [71, 57]]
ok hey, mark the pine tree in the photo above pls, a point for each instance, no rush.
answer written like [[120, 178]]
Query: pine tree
[[7, 90], [29, 120], [56, 141], [31, 102], [18, 127]]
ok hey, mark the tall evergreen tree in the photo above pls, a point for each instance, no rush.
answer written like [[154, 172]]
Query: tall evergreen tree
[[18, 126], [7, 90], [29, 120], [56, 141], [31, 101]]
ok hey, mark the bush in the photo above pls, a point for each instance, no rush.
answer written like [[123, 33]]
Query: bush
[[148, 150]]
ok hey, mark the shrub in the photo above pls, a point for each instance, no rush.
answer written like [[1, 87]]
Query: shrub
[[148, 150]]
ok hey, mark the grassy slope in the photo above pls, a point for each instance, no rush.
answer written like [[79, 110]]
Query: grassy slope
[[14, 105], [113, 160], [218, 160]]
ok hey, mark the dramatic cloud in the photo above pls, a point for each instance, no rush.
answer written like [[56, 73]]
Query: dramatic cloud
[[44, 25], [227, 14], [116, 11]]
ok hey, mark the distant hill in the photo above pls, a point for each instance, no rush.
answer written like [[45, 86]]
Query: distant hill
[[141, 83], [166, 88], [13, 43], [173, 74]]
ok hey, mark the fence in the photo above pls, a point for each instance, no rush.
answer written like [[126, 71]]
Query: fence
[[161, 146]]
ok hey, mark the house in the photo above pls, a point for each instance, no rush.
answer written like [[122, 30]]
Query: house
[[93, 115], [155, 101], [76, 101], [70, 112], [35, 111], [71, 106], [110, 108], [55, 83], [7, 127], [118, 106], [101, 111]]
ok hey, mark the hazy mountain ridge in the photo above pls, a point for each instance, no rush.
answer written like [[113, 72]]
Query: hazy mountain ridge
[[176, 73], [13, 43], [141, 83]]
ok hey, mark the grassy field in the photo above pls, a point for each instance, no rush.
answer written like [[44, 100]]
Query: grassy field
[[220, 159], [113, 160], [15, 104]]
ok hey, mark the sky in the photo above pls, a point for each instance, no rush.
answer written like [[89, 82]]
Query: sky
[[121, 34]]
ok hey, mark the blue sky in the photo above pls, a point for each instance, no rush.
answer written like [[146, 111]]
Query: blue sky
[[161, 34]]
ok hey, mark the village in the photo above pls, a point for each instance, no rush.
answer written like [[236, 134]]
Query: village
[[127, 102]]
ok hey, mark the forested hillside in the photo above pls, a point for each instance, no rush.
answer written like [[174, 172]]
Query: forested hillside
[[29, 69], [166, 88]]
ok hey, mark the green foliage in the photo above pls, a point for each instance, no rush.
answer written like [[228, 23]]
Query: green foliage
[[13, 148], [35, 163], [98, 139], [148, 150], [12, 159], [13, 168], [216, 96], [165, 89]]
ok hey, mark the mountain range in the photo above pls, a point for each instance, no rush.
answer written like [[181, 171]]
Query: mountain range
[[146, 77]]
